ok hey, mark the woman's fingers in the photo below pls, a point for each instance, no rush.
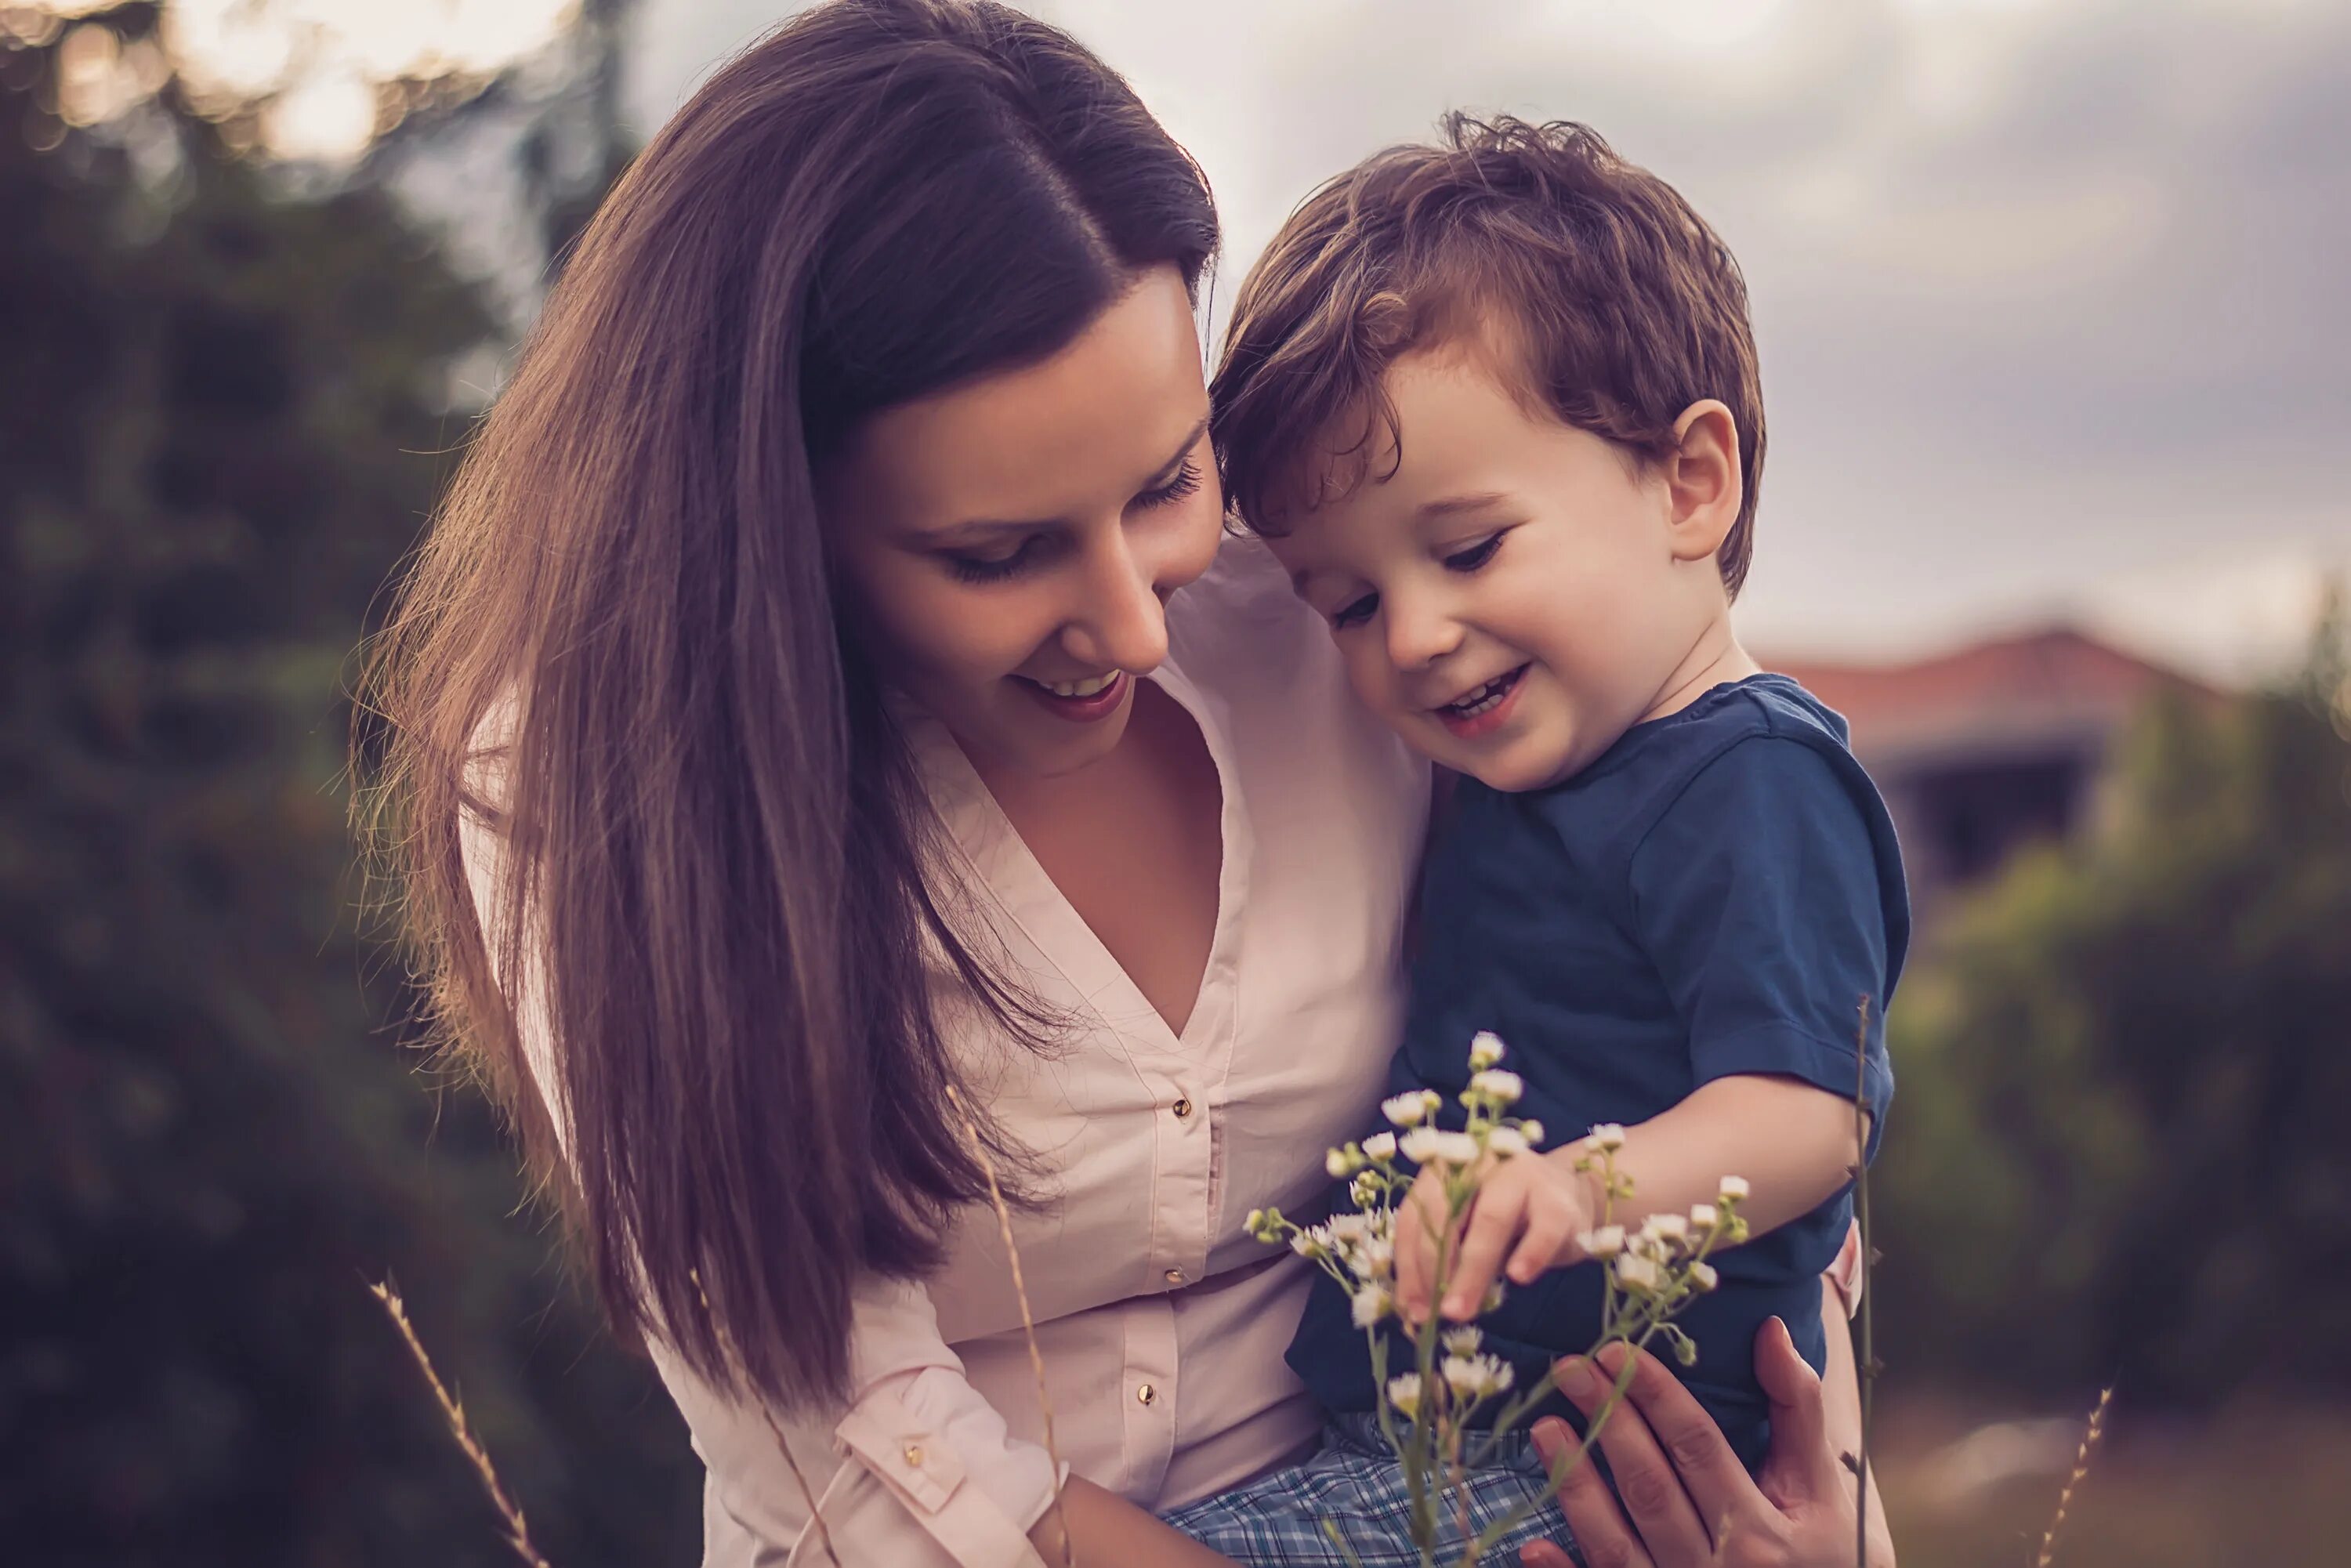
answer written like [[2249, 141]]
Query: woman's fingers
[[1799, 1466], [1667, 1516], [1595, 1522]]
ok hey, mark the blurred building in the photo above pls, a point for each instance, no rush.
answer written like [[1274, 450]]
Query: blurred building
[[1988, 747]]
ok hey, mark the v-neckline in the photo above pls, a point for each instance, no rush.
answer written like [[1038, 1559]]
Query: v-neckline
[[1018, 882]]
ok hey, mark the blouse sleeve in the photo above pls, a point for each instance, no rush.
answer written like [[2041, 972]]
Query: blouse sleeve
[[917, 1471]]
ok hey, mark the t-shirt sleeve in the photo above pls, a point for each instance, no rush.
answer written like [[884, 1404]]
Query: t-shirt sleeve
[[1757, 894]]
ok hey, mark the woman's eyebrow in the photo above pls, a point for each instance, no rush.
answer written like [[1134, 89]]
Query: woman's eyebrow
[[986, 528]]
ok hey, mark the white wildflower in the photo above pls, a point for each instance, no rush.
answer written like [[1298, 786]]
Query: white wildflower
[[1605, 1242], [1419, 1146], [1507, 1142], [1703, 1278], [1607, 1136], [1312, 1241], [1703, 1217], [1376, 1258], [1466, 1340], [1667, 1227], [1372, 1302], [1380, 1147], [1637, 1274], [1403, 1394], [1340, 1163], [1532, 1132], [1496, 1085], [1456, 1148], [1405, 1109], [1485, 1050], [1475, 1376], [1733, 1189]]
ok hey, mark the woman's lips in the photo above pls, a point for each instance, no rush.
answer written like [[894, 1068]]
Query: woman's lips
[[1080, 710]]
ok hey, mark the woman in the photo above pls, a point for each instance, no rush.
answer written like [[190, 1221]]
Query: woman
[[791, 683]]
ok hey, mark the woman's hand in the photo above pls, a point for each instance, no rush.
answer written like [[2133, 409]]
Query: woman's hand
[[1687, 1500]]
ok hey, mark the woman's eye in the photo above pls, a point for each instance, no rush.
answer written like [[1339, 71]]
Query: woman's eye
[[993, 569], [1355, 612], [1185, 483], [1476, 556]]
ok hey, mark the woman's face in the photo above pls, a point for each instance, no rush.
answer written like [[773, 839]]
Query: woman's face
[[1007, 548]]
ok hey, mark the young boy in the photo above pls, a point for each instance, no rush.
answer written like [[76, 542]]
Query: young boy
[[1495, 405]]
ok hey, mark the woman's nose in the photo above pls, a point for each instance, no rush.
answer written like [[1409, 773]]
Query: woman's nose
[[1123, 622]]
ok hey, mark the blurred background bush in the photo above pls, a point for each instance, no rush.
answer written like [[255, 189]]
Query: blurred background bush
[[252, 293]]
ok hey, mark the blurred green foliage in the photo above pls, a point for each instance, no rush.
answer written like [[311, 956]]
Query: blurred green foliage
[[2118, 1151], [221, 426]]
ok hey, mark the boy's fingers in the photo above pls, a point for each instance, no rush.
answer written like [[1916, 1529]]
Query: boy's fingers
[[1492, 1225], [1543, 1246]]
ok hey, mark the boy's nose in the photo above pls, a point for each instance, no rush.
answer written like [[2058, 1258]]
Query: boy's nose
[[1419, 636]]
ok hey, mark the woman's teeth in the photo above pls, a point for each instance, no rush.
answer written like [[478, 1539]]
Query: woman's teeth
[[1090, 686]]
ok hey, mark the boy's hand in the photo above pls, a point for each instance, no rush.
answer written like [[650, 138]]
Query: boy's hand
[[1530, 1208]]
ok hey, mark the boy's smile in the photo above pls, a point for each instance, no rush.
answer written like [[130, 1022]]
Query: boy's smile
[[1517, 592]]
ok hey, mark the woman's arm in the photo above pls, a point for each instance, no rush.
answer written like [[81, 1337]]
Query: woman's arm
[[1106, 1528]]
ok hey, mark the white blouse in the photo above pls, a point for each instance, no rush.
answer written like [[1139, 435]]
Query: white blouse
[[1162, 1324]]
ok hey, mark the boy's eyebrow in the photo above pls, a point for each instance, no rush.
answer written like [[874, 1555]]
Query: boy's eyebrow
[[1453, 505], [984, 526]]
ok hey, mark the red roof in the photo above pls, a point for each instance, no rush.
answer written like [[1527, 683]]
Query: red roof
[[2042, 684]]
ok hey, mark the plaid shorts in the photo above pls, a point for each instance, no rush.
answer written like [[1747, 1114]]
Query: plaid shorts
[[1354, 1481]]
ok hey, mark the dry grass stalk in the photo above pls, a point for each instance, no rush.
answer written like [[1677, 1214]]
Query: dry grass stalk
[[1028, 1319], [2081, 1467], [517, 1535]]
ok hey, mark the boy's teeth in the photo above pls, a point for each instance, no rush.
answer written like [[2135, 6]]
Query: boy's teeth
[[1084, 688]]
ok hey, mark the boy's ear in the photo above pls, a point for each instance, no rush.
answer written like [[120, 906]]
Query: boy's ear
[[1702, 480]]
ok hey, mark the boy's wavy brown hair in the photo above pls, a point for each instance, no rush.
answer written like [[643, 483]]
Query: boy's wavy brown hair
[[1610, 304]]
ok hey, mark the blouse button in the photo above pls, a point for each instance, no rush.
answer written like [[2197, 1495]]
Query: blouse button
[[1182, 1108], [914, 1453], [1174, 1276], [1147, 1393]]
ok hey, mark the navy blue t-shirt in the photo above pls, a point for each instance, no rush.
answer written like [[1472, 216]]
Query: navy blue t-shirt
[[1714, 895]]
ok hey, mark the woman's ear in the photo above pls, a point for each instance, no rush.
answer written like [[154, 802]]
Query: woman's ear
[[1702, 480]]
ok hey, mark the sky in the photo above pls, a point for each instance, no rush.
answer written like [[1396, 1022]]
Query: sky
[[2050, 294]]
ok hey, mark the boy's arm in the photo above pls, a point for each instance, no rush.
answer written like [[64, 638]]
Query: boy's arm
[[1791, 1142]]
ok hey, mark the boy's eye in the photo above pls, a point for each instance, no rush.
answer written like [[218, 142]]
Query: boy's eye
[[1355, 612], [1476, 556]]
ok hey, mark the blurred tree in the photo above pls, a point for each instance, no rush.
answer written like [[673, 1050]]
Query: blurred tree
[[222, 416], [2118, 1150]]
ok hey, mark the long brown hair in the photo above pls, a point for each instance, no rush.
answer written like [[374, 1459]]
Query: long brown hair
[[715, 837]]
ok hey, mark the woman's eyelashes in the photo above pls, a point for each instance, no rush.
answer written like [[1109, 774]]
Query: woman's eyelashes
[[995, 569], [1036, 547], [1185, 483]]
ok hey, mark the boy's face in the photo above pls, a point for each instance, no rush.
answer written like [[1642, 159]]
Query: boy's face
[[1519, 593]]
